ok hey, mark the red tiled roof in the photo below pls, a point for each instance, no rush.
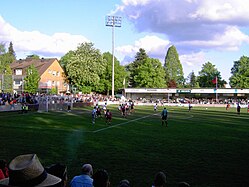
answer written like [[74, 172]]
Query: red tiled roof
[[40, 64]]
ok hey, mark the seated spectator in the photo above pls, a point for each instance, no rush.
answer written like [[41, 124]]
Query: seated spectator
[[4, 172], [124, 183], [101, 178], [26, 170], [160, 180], [60, 171], [83, 180]]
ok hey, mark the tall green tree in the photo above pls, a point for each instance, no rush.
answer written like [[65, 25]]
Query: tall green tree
[[84, 66], [11, 51], [207, 74], [31, 81], [105, 83], [173, 67], [132, 68], [7, 80], [240, 73], [192, 81], [150, 74], [5, 59]]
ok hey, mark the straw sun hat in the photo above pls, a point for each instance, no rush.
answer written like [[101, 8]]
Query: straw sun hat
[[26, 170]]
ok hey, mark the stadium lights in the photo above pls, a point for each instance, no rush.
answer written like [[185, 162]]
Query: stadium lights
[[113, 21]]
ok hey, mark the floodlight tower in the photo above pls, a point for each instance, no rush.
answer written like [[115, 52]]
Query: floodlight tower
[[113, 21]]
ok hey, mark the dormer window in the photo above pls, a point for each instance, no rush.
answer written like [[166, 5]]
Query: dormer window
[[18, 71]]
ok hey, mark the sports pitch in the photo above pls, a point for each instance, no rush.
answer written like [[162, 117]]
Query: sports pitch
[[204, 147]]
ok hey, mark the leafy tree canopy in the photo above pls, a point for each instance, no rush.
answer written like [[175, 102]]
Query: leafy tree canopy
[[207, 74], [32, 79], [240, 73], [105, 83], [150, 74], [84, 66]]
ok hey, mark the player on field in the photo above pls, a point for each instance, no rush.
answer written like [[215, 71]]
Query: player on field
[[93, 115], [164, 116], [108, 116], [155, 107]]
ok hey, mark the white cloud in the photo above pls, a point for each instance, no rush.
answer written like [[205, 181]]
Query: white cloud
[[35, 42], [193, 59], [201, 23], [153, 45], [230, 40]]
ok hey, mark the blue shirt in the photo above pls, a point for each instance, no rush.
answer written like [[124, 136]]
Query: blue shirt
[[82, 181]]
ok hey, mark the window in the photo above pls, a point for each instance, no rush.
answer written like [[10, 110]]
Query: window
[[18, 71]]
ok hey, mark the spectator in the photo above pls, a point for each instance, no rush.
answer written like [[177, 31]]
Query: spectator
[[4, 172], [101, 178], [83, 180], [160, 180], [60, 171], [26, 170], [124, 183]]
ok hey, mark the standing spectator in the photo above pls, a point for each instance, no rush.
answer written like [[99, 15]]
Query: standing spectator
[[101, 178], [160, 180], [83, 180]]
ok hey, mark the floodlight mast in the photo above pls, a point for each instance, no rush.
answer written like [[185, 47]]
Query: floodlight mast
[[113, 21]]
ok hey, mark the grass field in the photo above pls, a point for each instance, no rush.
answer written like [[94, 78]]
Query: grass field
[[204, 147]]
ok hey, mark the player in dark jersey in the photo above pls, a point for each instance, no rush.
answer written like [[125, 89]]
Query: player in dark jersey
[[164, 115], [108, 117]]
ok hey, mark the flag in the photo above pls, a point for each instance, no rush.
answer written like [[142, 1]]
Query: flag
[[214, 81]]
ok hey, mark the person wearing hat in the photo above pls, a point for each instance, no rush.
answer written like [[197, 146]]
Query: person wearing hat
[[160, 180], [83, 180], [101, 178], [26, 170]]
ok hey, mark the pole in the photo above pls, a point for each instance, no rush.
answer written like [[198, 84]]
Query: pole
[[113, 21], [216, 86], [113, 58]]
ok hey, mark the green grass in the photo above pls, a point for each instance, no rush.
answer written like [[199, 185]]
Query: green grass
[[202, 147]]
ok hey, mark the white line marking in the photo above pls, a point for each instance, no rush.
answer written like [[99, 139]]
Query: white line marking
[[99, 130]]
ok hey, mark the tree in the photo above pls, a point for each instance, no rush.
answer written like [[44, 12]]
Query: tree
[[173, 67], [33, 56], [193, 83], [240, 73], [7, 80], [132, 68], [207, 74], [11, 51], [31, 80], [84, 66], [150, 74], [105, 83], [5, 59]]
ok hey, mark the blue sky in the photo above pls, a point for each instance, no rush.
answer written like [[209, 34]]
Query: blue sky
[[201, 30]]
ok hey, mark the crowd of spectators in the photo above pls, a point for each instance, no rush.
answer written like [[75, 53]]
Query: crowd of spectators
[[27, 170]]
